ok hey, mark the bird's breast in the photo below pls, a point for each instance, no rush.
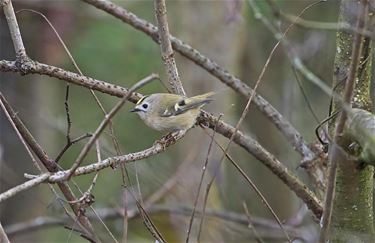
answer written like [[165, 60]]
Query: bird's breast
[[181, 121]]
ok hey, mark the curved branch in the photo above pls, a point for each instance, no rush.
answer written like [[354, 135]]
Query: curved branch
[[157, 148]]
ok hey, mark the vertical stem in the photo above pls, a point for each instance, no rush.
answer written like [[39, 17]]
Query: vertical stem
[[13, 28], [167, 53]]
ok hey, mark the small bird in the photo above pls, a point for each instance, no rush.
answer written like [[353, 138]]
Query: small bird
[[170, 112]]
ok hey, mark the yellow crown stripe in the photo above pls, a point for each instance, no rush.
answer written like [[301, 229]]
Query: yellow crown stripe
[[141, 100]]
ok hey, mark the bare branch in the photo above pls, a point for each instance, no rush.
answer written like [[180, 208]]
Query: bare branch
[[157, 148], [35, 67], [290, 133], [167, 54], [246, 142]]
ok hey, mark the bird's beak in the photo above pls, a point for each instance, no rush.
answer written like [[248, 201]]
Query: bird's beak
[[135, 110]]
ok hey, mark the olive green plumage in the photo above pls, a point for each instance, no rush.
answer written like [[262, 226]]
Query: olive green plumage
[[170, 112]]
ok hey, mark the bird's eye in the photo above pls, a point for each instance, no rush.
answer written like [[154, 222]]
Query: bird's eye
[[145, 106]]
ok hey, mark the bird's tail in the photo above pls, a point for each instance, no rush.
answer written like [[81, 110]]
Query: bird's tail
[[199, 100], [207, 97]]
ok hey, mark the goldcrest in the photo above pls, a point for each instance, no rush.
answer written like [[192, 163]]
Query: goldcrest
[[170, 112]]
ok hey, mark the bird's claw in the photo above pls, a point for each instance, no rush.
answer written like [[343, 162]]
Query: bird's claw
[[167, 139]]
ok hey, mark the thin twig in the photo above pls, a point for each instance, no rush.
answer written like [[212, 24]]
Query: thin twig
[[99, 158], [204, 207], [336, 152], [70, 143], [68, 120], [304, 95], [125, 219], [251, 225], [147, 221]]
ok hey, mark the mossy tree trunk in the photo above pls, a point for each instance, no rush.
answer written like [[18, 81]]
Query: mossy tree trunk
[[352, 215]]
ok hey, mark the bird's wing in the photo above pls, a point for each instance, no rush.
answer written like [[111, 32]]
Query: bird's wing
[[185, 104]]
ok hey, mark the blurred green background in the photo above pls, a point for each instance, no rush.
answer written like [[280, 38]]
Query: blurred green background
[[107, 49]]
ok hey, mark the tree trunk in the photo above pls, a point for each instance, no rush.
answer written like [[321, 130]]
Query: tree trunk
[[352, 215]]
